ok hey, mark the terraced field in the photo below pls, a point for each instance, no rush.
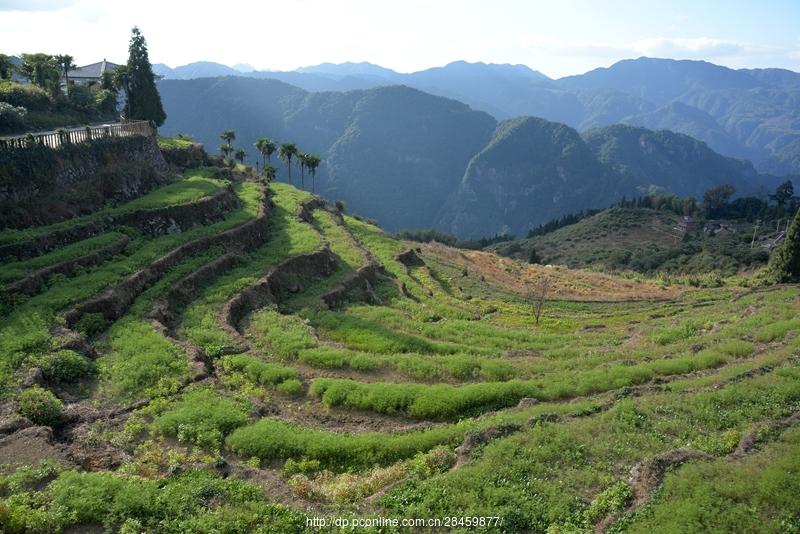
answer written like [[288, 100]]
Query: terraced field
[[256, 358]]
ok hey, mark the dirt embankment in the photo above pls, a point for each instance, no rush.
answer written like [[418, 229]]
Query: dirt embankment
[[33, 283], [284, 279], [153, 222], [114, 302], [42, 185]]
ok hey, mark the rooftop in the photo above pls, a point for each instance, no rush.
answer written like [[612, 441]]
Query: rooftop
[[94, 70]]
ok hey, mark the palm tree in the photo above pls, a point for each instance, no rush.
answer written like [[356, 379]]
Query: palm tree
[[66, 63], [240, 155], [286, 153], [312, 161], [266, 147], [301, 162], [269, 172], [226, 150], [228, 136]]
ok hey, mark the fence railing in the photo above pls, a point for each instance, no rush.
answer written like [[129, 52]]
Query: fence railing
[[63, 137]]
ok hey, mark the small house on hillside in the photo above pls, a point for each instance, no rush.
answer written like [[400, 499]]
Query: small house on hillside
[[91, 74], [687, 225]]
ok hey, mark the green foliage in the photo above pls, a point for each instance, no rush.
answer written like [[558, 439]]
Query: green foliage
[[26, 477], [784, 265], [141, 362], [270, 439], [174, 142], [288, 236], [260, 372], [669, 335], [193, 185], [26, 96], [330, 358], [558, 464], [195, 501], [434, 462], [438, 402], [290, 386], [202, 417], [143, 100], [777, 330], [40, 406], [631, 237], [81, 98], [66, 367], [304, 466], [11, 118], [6, 67], [42, 70], [748, 495], [91, 324]]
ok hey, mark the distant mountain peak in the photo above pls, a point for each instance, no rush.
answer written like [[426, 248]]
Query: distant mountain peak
[[480, 68], [244, 67], [349, 68]]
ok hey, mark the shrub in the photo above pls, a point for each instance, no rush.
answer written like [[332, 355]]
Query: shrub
[[11, 117], [40, 406], [304, 466], [330, 358], [202, 417], [292, 386], [66, 366], [28, 96], [91, 323], [81, 98], [105, 101], [436, 461], [260, 372], [195, 501]]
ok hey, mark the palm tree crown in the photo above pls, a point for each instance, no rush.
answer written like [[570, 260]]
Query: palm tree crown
[[228, 136], [311, 162], [66, 63], [266, 147], [286, 153]]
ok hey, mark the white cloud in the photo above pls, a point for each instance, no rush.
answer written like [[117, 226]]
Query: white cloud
[[689, 47], [34, 5]]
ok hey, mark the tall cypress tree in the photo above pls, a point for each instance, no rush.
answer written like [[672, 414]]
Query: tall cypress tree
[[144, 102]]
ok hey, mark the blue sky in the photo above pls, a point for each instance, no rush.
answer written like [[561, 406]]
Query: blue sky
[[556, 37]]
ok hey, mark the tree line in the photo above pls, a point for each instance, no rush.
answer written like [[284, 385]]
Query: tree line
[[716, 204], [288, 153]]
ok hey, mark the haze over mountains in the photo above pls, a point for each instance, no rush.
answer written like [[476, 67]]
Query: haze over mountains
[[748, 113], [395, 151]]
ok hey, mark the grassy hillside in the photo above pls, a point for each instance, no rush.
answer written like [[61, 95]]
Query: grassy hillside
[[645, 240], [288, 361]]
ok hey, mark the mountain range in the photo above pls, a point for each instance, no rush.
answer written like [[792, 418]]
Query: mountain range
[[411, 159], [749, 114]]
